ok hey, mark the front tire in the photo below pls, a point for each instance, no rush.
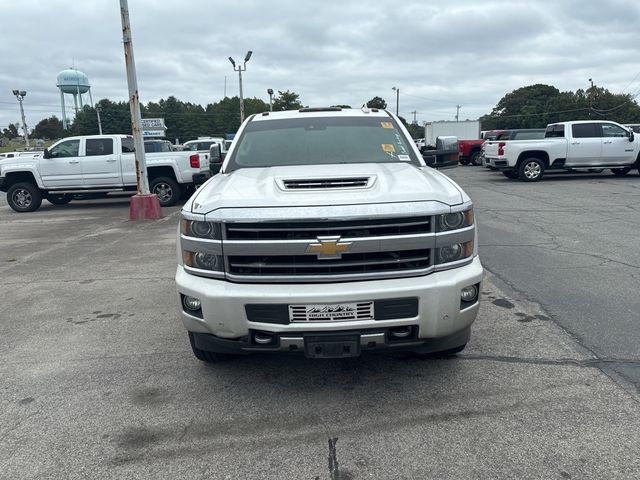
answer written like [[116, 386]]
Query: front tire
[[531, 170], [167, 190], [475, 159], [24, 197], [205, 356], [621, 172], [463, 161], [59, 199]]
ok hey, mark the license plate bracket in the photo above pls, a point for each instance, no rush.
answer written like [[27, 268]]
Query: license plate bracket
[[343, 346]]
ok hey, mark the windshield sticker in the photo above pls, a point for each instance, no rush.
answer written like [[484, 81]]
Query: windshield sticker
[[386, 124], [404, 158], [401, 148], [388, 148]]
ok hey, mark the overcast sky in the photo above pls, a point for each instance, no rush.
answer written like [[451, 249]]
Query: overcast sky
[[439, 53]]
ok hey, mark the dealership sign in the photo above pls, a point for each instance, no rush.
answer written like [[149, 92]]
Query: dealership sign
[[153, 127]]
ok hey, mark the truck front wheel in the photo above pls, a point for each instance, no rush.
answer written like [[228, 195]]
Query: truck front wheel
[[205, 356], [475, 159], [531, 170], [24, 197], [167, 190]]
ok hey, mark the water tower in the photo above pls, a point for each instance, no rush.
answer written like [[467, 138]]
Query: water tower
[[73, 82]]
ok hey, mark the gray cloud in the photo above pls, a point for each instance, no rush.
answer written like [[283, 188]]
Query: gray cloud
[[438, 53]]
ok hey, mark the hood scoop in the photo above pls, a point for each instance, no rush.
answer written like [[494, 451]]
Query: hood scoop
[[325, 183]]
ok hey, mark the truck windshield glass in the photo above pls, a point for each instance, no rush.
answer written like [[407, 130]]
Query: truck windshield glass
[[321, 140]]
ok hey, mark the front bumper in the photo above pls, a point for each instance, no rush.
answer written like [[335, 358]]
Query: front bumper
[[439, 312]]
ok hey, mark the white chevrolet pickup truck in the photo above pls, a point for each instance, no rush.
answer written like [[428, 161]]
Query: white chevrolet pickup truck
[[326, 234], [587, 144], [96, 165]]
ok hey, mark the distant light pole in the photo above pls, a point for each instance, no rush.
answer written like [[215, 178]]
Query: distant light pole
[[590, 96], [20, 94], [241, 69], [98, 109], [458, 107], [397, 90], [270, 92]]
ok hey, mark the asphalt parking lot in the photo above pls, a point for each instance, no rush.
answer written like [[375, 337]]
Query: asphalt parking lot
[[98, 380]]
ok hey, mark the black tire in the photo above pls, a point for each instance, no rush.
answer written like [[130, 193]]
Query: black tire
[[24, 197], [621, 172], [475, 159], [531, 169], [510, 174], [59, 199], [204, 356], [463, 161], [167, 190]]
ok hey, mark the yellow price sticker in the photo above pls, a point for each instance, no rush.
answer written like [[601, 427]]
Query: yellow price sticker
[[386, 124], [388, 148]]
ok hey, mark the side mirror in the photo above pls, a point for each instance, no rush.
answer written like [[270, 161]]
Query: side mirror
[[46, 153], [631, 136]]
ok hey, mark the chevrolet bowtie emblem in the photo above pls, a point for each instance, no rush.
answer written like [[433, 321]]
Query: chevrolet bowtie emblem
[[328, 248]]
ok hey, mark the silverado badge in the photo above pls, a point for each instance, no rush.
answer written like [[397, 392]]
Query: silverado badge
[[328, 248]]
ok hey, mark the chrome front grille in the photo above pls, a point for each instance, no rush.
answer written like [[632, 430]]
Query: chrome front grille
[[326, 251]]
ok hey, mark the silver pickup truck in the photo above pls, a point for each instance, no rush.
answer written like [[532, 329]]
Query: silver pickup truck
[[326, 234], [96, 165]]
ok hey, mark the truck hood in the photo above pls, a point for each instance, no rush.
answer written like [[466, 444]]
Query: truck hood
[[264, 187]]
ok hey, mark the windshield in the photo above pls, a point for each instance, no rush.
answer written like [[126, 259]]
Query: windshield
[[321, 140]]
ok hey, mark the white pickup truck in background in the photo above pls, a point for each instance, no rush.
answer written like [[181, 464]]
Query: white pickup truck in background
[[585, 144], [96, 164]]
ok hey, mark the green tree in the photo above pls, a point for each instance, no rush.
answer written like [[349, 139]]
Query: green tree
[[49, 128], [287, 101], [377, 102], [11, 131]]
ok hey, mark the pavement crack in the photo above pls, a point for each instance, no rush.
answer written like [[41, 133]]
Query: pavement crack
[[597, 363], [334, 470]]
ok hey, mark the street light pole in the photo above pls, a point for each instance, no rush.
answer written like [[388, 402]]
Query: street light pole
[[241, 69], [590, 97], [397, 90], [270, 92], [98, 108], [20, 94]]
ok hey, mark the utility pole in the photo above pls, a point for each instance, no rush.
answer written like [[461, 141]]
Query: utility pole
[[144, 205], [98, 109], [20, 94], [458, 107], [397, 90], [240, 69], [415, 122]]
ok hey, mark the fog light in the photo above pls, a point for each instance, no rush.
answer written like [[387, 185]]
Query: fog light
[[469, 294], [191, 303]]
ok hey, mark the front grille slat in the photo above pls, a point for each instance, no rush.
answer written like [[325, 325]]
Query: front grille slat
[[312, 230]]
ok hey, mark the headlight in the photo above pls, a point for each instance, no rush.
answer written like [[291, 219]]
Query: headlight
[[454, 221], [454, 252], [203, 261], [197, 229]]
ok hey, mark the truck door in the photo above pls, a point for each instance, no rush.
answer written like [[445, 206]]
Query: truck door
[[616, 147], [62, 169], [100, 164], [585, 145]]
